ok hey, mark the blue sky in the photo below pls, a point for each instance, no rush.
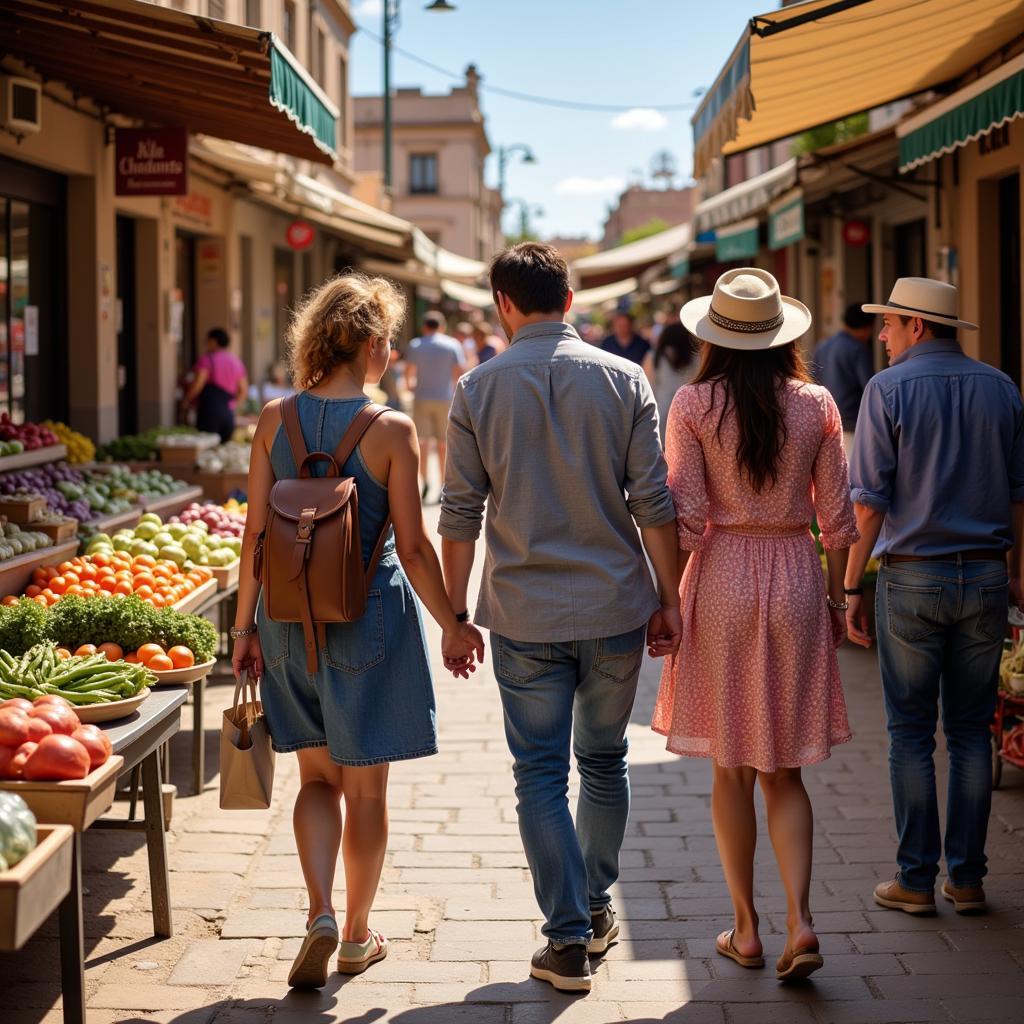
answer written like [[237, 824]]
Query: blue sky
[[632, 53]]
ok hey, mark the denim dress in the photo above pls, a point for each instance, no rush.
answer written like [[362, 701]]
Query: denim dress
[[371, 700]]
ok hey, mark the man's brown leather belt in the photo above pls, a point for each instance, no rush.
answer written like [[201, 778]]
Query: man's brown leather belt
[[992, 555]]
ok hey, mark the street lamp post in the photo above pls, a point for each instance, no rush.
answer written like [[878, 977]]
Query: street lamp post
[[526, 210], [391, 12], [505, 153]]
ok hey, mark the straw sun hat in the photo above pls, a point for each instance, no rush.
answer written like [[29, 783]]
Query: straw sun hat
[[922, 297], [747, 311]]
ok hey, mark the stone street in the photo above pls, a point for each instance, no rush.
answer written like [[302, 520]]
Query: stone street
[[457, 901]]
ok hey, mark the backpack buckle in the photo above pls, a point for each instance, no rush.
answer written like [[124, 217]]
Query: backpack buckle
[[304, 532]]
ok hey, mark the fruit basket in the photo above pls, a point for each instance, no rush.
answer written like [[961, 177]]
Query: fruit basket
[[32, 889], [181, 676]]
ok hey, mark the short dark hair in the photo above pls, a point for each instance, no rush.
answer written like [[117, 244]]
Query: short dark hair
[[435, 321], [855, 318], [219, 335], [534, 276], [944, 331]]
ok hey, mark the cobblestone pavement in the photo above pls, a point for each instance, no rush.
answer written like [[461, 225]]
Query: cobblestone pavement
[[457, 902]]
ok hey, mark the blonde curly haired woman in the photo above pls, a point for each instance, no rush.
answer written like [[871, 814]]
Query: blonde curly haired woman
[[371, 700]]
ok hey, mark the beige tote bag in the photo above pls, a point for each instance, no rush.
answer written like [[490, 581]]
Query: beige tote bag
[[246, 756]]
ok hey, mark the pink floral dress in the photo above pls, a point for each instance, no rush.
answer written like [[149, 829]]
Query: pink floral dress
[[756, 681]]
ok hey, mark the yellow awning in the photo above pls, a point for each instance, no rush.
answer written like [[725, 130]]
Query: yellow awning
[[817, 62]]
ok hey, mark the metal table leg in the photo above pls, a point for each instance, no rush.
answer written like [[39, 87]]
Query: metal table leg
[[198, 736], [72, 941], [156, 843]]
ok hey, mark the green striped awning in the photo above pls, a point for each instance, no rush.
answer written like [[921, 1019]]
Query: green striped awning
[[963, 117], [291, 93]]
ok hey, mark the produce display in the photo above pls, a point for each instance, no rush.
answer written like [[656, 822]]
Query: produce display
[[193, 439], [43, 481], [127, 624], [80, 448], [187, 545], [138, 447], [147, 483], [225, 458], [115, 574], [43, 740], [1011, 670], [16, 438], [47, 515], [15, 541], [85, 677], [221, 520], [157, 659], [18, 836]]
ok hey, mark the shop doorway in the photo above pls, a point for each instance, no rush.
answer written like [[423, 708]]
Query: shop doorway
[[284, 297], [127, 342], [183, 307], [910, 250], [1008, 219], [33, 323]]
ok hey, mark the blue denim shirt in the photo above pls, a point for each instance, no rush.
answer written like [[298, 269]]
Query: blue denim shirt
[[844, 366], [940, 449]]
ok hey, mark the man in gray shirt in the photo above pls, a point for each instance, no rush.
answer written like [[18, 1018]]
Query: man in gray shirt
[[433, 364], [560, 441]]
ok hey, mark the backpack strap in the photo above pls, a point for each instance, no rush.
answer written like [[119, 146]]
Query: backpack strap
[[359, 426], [371, 568], [293, 430]]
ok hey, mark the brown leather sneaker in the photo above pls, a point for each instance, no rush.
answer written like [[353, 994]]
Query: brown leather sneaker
[[893, 896], [966, 899]]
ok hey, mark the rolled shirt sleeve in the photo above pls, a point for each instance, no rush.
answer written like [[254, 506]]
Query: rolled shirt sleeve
[[832, 503], [686, 472], [650, 501], [465, 481], [873, 468]]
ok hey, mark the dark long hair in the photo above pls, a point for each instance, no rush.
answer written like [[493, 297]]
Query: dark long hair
[[676, 345], [752, 383]]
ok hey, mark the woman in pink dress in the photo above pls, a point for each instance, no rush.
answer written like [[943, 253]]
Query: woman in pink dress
[[754, 451]]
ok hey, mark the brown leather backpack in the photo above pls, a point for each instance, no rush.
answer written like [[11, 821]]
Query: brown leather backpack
[[309, 557]]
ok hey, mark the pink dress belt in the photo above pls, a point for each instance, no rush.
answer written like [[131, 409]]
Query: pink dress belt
[[767, 532]]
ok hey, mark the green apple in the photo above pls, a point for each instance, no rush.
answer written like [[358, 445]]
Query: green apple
[[200, 525], [152, 517], [162, 539], [177, 530], [123, 543], [174, 553], [147, 530], [235, 544]]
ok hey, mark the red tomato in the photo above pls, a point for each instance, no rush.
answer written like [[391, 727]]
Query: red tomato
[[52, 698], [95, 741], [6, 756], [60, 719], [57, 758], [21, 755], [38, 728], [17, 702], [13, 727]]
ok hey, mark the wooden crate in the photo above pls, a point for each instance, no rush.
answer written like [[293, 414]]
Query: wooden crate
[[218, 487], [34, 887], [57, 532], [40, 457], [185, 454], [74, 802], [113, 523], [23, 510], [226, 575], [16, 573], [198, 596]]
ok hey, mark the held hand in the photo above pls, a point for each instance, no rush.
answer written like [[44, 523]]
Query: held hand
[[664, 631], [460, 647], [857, 621], [837, 619], [247, 656]]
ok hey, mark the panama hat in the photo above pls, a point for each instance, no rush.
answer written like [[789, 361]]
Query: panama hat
[[747, 311], [922, 297]]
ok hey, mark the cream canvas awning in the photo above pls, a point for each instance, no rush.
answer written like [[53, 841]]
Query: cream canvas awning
[[966, 115], [590, 297], [443, 262], [745, 199], [817, 62], [628, 260], [479, 297]]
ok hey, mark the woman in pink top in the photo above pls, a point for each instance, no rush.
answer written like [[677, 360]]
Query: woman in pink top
[[754, 451], [219, 382]]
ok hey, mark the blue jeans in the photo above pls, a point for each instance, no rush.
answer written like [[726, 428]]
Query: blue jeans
[[552, 694], [940, 637]]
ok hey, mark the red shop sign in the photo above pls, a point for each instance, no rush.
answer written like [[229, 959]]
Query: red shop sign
[[300, 235], [856, 233], [152, 162]]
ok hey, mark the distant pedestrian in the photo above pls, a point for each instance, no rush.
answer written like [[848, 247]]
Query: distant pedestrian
[[625, 341], [371, 699], [558, 441], [484, 343], [277, 384], [433, 364], [845, 363], [754, 450], [464, 336], [938, 482], [219, 383], [672, 363]]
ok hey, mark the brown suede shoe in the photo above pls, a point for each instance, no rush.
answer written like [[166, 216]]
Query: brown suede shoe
[[893, 896], [966, 899]]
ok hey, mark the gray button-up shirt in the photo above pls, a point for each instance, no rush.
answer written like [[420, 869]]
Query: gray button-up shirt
[[560, 440]]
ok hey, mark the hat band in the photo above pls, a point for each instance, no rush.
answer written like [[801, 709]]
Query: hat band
[[922, 314], [746, 326]]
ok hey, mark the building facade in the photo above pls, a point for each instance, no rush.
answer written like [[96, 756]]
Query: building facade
[[639, 206], [439, 148]]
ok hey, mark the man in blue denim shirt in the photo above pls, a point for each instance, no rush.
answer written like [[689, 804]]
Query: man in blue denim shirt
[[559, 441], [938, 486]]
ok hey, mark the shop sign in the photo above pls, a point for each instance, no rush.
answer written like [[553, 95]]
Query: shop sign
[[786, 221], [737, 241], [194, 208], [300, 235], [856, 233], [681, 268], [152, 162]]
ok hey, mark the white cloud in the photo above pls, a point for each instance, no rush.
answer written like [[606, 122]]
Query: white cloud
[[579, 186], [368, 9], [640, 119]]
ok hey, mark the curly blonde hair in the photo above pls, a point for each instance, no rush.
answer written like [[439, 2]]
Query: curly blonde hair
[[334, 321]]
